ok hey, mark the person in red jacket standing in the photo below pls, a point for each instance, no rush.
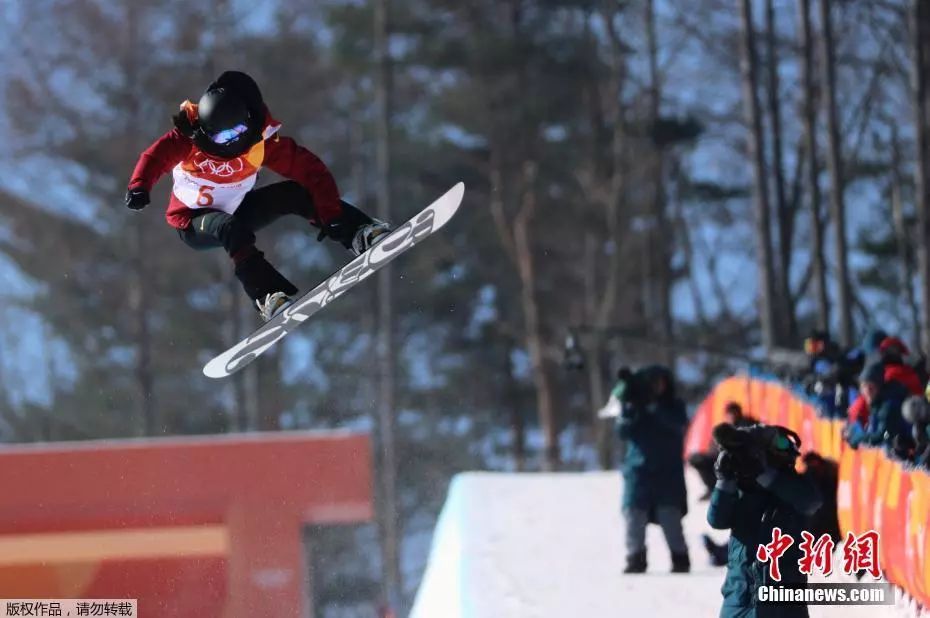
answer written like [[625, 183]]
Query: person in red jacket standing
[[214, 153]]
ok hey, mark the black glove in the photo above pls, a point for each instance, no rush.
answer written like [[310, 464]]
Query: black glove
[[137, 199], [183, 124], [725, 467]]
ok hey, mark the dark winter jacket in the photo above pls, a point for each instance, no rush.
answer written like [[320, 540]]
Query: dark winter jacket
[[751, 513], [885, 418], [653, 469]]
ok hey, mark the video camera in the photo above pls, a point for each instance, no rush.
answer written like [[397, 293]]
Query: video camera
[[755, 446]]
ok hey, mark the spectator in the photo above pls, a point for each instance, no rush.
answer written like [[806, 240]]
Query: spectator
[[893, 351], [832, 373], [858, 413], [916, 411], [871, 344], [757, 491], [653, 420], [822, 352], [703, 463], [883, 403]]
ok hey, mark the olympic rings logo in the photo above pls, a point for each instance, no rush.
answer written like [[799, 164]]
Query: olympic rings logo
[[220, 169]]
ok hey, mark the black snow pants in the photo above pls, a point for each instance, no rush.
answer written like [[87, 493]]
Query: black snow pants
[[235, 233]]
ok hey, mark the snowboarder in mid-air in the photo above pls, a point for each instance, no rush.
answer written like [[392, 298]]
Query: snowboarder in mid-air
[[214, 152]]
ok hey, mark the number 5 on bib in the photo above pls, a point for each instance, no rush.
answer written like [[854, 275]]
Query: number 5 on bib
[[204, 197]]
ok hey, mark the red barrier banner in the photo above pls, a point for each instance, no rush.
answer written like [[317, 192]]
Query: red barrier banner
[[874, 492], [847, 490]]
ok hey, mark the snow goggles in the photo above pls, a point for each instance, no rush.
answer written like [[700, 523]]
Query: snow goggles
[[227, 135]]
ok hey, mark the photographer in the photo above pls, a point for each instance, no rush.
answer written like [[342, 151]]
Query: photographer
[[653, 422], [757, 490]]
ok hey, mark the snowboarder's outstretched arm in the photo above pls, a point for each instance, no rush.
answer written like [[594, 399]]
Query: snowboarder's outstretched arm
[[286, 157], [159, 158]]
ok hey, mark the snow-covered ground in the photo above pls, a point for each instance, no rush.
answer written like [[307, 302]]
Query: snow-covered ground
[[551, 545]]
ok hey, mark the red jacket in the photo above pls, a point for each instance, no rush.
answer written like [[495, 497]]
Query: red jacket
[[906, 375], [200, 178], [858, 411]]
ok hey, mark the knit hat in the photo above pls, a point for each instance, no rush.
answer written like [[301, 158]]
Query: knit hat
[[893, 345]]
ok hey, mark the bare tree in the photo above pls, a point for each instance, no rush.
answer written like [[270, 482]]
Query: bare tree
[[784, 215], [140, 294], [660, 275], [594, 356], [902, 236], [921, 70], [386, 374], [603, 186], [516, 236], [819, 275], [749, 71], [512, 395], [835, 166]]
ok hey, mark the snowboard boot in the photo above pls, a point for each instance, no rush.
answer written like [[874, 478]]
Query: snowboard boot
[[273, 304], [268, 288], [636, 563], [355, 230], [369, 235], [681, 563]]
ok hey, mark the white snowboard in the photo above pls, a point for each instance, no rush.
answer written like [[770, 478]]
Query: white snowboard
[[404, 237]]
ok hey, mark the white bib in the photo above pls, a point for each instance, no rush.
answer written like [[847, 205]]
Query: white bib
[[196, 192]]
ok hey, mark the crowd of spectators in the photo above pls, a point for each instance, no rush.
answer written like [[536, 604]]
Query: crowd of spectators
[[879, 387]]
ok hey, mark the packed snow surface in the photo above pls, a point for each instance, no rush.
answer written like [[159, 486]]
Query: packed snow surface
[[552, 546]]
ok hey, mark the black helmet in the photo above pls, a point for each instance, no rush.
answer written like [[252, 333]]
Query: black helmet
[[224, 123]]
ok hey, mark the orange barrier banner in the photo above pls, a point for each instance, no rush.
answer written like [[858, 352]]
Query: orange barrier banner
[[875, 492]]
